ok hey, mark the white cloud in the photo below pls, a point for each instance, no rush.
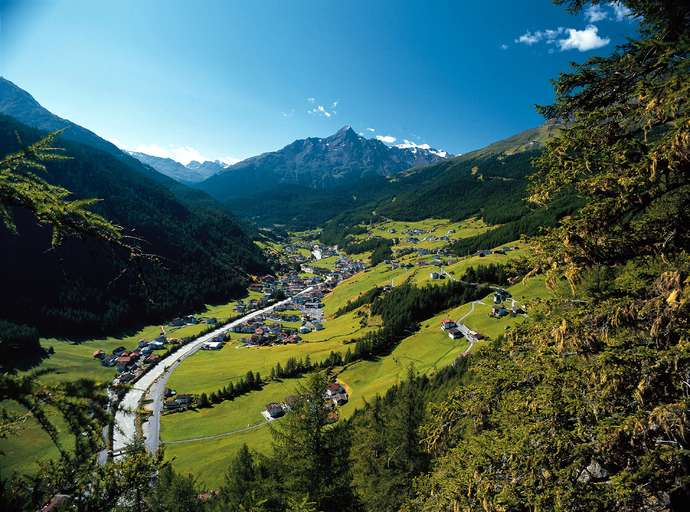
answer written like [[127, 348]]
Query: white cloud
[[290, 113], [529, 38], [370, 130], [410, 144], [595, 13], [583, 40], [388, 139], [322, 111], [504, 46], [620, 11]]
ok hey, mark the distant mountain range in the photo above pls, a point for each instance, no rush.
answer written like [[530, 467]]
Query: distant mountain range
[[343, 159], [77, 288], [193, 172]]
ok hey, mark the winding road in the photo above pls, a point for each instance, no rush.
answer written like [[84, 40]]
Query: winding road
[[124, 431]]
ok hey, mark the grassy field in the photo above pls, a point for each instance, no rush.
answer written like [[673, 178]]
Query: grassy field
[[208, 461], [210, 370], [22, 453], [430, 227], [430, 349]]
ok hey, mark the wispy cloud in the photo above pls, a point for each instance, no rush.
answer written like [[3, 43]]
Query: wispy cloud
[[289, 113], [583, 40], [620, 11], [504, 46], [388, 139], [548, 35], [320, 110], [182, 154], [595, 13], [371, 130]]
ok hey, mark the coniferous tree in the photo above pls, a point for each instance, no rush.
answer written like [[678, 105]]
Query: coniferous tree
[[311, 454]]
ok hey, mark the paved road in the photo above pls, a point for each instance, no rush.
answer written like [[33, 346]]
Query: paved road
[[125, 427]]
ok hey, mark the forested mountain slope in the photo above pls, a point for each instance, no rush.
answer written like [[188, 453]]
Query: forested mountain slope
[[85, 287], [490, 183]]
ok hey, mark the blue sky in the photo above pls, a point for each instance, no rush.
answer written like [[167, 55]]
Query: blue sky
[[229, 79]]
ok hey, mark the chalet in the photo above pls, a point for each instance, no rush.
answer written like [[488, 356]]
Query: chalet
[[434, 275], [318, 326], [454, 333], [124, 361], [212, 345], [448, 324], [305, 329], [157, 345], [184, 400], [334, 389], [498, 311], [171, 405], [118, 351], [152, 359], [275, 410], [109, 361]]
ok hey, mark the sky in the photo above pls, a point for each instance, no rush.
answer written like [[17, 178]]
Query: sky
[[228, 79]]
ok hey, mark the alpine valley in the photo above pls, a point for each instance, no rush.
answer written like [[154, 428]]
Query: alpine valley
[[346, 323]]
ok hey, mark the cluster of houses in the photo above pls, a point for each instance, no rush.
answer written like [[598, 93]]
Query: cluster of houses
[[131, 364], [270, 328], [335, 396], [175, 402], [456, 331], [500, 308], [216, 343]]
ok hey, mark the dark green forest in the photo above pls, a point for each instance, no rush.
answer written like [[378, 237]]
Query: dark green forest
[[199, 254]]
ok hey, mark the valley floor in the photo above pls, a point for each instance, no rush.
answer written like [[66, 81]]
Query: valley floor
[[202, 441]]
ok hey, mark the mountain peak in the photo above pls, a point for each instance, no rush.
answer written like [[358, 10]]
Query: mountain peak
[[345, 129]]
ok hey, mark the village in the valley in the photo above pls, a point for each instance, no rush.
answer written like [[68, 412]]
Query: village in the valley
[[281, 309], [282, 321]]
